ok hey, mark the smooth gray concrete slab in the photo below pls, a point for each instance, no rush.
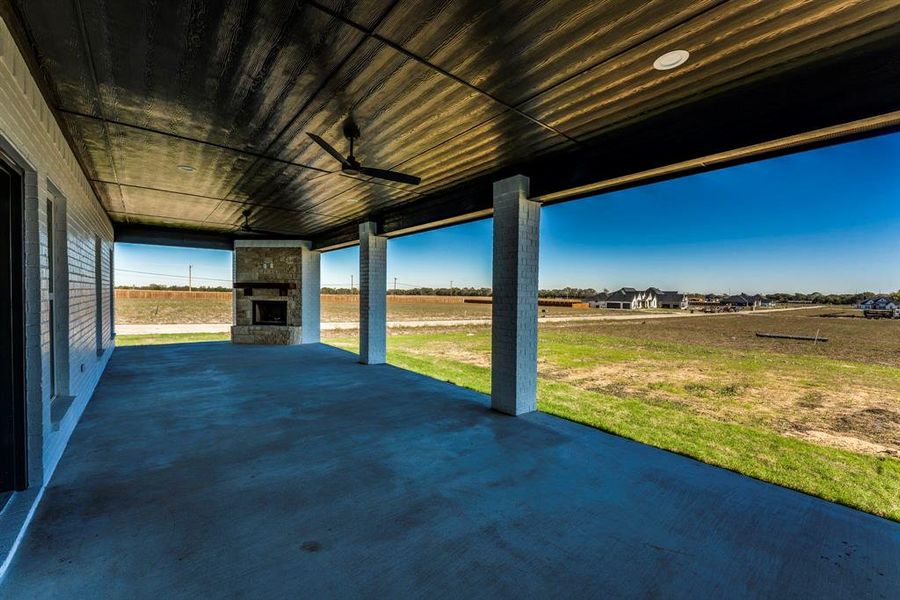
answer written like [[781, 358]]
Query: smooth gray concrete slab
[[212, 470]]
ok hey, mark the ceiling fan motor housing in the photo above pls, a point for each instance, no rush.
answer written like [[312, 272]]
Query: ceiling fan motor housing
[[351, 130]]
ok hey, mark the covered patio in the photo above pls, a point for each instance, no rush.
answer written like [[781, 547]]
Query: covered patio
[[282, 130], [211, 470]]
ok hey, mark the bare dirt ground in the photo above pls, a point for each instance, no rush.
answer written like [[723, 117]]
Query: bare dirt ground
[[134, 311]]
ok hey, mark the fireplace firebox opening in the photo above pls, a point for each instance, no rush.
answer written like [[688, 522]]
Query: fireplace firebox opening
[[269, 312]]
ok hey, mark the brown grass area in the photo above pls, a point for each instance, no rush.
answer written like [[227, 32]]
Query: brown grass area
[[180, 308], [856, 416], [139, 311], [856, 339], [843, 393]]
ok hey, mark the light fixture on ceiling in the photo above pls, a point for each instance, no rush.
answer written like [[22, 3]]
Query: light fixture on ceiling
[[186, 168], [671, 59]]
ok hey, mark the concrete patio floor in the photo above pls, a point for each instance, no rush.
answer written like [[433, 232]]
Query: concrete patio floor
[[212, 470]]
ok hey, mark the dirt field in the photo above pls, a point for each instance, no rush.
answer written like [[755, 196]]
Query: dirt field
[[134, 311]]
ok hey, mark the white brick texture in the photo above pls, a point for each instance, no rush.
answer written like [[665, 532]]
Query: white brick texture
[[515, 295], [311, 295], [30, 136], [372, 295]]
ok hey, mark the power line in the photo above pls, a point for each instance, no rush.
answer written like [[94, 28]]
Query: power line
[[169, 275]]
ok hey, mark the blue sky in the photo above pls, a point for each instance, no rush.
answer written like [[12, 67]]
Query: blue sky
[[824, 220]]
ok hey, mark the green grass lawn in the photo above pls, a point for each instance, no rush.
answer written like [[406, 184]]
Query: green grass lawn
[[169, 338], [864, 481]]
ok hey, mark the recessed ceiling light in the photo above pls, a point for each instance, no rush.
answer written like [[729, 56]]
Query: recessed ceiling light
[[186, 168], [670, 60]]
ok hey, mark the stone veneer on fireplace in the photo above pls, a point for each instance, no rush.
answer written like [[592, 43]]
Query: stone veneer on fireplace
[[267, 273]]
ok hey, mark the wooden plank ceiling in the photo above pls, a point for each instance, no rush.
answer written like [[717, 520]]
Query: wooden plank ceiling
[[456, 92]]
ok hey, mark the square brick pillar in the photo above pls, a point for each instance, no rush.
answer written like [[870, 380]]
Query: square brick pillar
[[515, 298], [372, 295], [310, 297]]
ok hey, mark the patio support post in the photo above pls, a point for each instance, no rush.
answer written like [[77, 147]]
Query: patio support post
[[372, 295], [514, 307], [310, 297]]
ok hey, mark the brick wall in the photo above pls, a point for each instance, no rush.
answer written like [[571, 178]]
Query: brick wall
[[372, 295], [30, 136], [515, 287]]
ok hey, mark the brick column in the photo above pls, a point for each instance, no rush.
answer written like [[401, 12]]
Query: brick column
[[310, 297], [515, 294], [372, 295]]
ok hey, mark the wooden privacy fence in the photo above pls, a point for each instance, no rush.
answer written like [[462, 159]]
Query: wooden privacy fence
[[172, 295], [405, 299], [541, 302], [348, 298]]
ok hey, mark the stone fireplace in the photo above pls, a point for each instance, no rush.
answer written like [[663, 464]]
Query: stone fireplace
[[267, 291]]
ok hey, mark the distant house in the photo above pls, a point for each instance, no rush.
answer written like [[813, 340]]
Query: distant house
[[763, 302], [672, 300], [628, 298], [738, 301], [598, 301], [879, 303]]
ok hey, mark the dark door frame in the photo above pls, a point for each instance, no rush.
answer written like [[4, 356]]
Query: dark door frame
[[13, 425]]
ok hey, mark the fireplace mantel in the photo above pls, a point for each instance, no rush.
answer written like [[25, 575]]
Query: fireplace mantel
[[281, 285]]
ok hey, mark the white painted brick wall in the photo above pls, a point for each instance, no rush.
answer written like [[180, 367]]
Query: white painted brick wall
[[31, 136], [311, 295], [515, 298], [372, 295]]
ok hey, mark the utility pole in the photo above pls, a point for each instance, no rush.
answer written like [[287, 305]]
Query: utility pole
[[351, 284], [395, 285], [190, 274], [451, 287]]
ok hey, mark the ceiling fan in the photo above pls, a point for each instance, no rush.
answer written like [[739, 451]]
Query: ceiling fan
[[245, 228], [351, 166]]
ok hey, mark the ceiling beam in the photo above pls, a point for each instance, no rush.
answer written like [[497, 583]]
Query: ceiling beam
[[185, 138], [298, 211], [132, 233]]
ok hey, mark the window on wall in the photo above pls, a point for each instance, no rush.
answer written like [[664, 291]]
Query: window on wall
[[51, 295], [98, 293], [58, 292], [51, 309]]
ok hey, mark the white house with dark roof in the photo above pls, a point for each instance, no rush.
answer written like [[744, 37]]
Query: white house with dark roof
[[879, 303], [628, 298]]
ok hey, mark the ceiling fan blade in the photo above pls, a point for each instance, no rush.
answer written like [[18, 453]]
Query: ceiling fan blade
[[391, 175], [328, 148], [246, 229]]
